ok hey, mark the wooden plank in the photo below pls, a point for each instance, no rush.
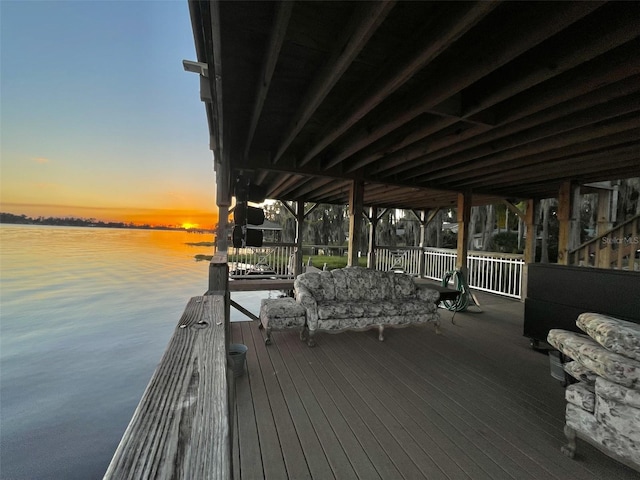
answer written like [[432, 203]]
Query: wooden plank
[[270, 459], [260, 285], [180, 428], [324, 387], [308, 417], [295, 439], [380, 433], [247, 448], [346, 455]]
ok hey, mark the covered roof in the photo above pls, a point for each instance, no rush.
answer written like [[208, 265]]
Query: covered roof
[[420, 100]]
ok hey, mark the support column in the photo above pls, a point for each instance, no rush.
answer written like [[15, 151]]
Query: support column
[[529, 245], [297, 267], [373, 222], [423, 241], [464, 216], [356, 198], [222, 235], [565, 197], [604, 212], [424, 220]]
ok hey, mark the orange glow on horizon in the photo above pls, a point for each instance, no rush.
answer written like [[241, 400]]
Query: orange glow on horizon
[[201, 219]]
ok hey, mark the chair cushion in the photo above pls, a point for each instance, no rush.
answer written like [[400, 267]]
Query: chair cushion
[[595, 357], [614, 334], [581, 395]]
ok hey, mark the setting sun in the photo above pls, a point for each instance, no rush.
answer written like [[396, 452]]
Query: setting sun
[[187, 226]]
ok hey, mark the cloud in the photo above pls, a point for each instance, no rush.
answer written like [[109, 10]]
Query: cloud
[[41, 160]]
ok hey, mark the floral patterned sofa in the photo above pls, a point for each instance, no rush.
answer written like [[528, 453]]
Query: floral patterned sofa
[[603, 407], [357, 298]]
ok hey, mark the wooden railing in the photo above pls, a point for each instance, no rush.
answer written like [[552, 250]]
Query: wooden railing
[[617, 248], [182, 427]]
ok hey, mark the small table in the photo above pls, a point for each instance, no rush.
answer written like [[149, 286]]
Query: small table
[[282, 314]]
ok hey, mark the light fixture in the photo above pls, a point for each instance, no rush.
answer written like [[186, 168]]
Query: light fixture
[[196, 67]]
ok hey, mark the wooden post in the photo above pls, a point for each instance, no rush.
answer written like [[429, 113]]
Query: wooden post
[[565, 197], [300, 215], [423, 240], [464, 215], [222, 240], [373, 222], [604, 209], [219, 285], [356, 197], [529, 244]]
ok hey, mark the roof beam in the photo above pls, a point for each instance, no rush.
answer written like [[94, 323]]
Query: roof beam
[[366, 19], [578, 93], [574, 166], [612, 109], [397, 75], [601, 135], [466, 71], [283, 14]]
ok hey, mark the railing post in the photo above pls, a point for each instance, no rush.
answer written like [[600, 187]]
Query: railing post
[[219, 285]]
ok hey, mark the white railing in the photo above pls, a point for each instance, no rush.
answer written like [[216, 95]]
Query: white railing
[[404, 259], [493, 272], [270, 260], [438, 261]]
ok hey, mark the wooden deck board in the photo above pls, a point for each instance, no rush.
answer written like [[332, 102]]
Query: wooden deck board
[[475, 402], [276, 406]]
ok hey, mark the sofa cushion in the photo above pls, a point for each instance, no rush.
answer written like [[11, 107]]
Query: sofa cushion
[[337, 310], [580, 372], [595, 357], [618, 417], [328, 285], [614, 334], [404, 285], [311, 280], [618, 393], [340, 283], [581, 395]]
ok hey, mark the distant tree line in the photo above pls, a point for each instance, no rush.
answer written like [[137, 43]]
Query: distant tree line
[[74, 222]]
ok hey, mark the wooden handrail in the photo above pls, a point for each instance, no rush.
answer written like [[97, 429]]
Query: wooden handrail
[[611, 248], [608, 233], [182, 427]]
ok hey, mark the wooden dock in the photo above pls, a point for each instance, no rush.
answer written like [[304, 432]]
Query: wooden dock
[[473, 403]]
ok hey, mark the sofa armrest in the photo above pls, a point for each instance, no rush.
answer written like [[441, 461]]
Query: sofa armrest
[[305, 298], [427, 294]]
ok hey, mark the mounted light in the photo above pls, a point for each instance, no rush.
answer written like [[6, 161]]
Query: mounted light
[[196, 67]]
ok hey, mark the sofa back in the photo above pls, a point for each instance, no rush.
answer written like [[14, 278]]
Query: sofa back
[[357, 283]]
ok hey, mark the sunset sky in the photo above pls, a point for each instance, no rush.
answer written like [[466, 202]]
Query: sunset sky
[[98, 117]]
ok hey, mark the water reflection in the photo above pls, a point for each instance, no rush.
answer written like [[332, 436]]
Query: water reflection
[[86, 316]]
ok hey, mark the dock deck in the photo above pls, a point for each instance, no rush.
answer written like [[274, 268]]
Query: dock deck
[[473, 403]]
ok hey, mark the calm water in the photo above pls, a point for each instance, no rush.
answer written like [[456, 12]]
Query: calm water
[[85, 317]]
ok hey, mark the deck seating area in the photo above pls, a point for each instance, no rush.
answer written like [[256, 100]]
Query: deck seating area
[[475, 402]]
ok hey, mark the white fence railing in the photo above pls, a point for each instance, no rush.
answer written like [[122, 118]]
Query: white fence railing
[[405, 259], [270, 260], [499, 273], [493, 272]]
